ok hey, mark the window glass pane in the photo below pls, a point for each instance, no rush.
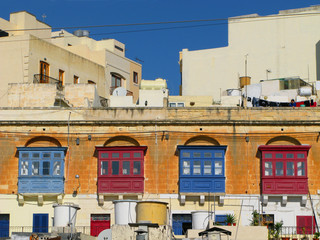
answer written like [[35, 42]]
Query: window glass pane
[[301, 169], [46, 169], [115, 155], [196, 155], [180, 105], [35, 168], [218, 168], [279, 168], [196, 168], [268, 155], [172, 104], [115, 168], [300, 155], [207, 155], [25, 155], [46, 155], [56, 168], [35, 155], [218, 155], [186, 154], [24, 168], [57, 155], [104, 168], [207, 168], [126, 168], [279, 155], [126, 155], [290, 168], [290, 155], [268, 168], [104, 155], [137, 155], [136, 168], [186, 168]]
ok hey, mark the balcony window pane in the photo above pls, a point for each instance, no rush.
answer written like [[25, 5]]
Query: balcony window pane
[[279, 155], [279, 168], [207, 168], [136, 168], [137, 155], [196, 155], [218, 155], [290, 155], [126, 168], [268, 155], [104, 155], [300, 155], [207, 155], [35, 168], [186, 154], [46, 155], [290, 168], [115, 168], [46, 169], [57, 155], [196, 168], [56, 168], [36, 155], [24, 168], [25, 155], [268, 168], [301, 169], [104, 168], [126, 155], [115, 155], [218, 168], [186, 168]]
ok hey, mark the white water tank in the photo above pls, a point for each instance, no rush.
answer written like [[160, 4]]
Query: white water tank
[[65, 214], [200, 219], [305, 91], [125, 211]]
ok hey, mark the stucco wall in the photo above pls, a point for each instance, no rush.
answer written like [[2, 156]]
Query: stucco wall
[[287, 46]]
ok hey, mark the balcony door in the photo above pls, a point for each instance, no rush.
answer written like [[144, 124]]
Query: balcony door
[[44, 72]]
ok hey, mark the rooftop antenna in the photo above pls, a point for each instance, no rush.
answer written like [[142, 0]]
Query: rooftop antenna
[[43, 17], [246, 65], [139, 60]]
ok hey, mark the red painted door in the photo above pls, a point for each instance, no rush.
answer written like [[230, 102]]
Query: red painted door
[[306, 225], [99, 222]]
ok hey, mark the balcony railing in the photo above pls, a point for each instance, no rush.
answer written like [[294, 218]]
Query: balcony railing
[[40, 78], [292, 233]]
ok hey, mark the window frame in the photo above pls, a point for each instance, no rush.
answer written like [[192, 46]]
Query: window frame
[[105, 155], [135, 77], [41, 151]]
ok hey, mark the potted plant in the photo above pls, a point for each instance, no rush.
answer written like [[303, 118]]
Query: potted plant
[[316, 235], [231, 219], [275, 230], [255, 218]]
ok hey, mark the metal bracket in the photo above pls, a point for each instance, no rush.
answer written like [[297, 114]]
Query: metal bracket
[[202, 198], [182, 199]]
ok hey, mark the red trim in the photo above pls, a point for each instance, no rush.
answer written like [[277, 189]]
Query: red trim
[[284, 147], [123, 148]]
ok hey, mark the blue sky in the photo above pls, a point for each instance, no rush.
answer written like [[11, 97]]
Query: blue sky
[[158, 49]]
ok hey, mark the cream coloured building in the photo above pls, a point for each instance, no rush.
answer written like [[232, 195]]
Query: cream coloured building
[[275, 46], [42, 56]]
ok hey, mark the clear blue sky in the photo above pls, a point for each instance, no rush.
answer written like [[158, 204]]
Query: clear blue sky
[[159, 50]]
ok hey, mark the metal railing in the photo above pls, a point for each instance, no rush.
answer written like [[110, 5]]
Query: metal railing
[[292, 233], [29, 229], [40, 78]]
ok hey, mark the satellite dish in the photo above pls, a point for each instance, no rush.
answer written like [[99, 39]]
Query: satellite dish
[[119, 91], [105, 235]]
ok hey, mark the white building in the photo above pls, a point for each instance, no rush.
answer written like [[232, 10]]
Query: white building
[[275, 46]]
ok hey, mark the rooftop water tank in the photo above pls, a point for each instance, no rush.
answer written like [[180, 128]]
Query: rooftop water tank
[[65, 214], [244, 81], [125, 211], [81, 33], [305, 91], [152, 211], [200, 219]]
